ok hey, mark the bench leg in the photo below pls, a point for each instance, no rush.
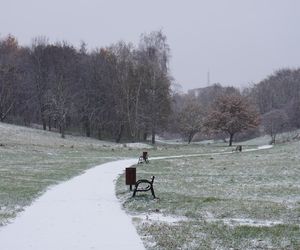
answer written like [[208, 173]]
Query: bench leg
[[152, 191], [134, 191]]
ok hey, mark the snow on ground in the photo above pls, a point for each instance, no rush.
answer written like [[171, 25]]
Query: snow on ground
[[182, 142], [53, 139], [157, 217], [265, 146], [243, 221], [250, 222], [82, 213], [170, 142], [137, 145], [16, 135], [208, 154]]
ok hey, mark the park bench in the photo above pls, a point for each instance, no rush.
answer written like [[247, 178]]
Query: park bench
[[144, 185], [143, 158], [238, 148]]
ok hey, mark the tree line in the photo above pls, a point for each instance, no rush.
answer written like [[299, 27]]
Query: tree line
[[123, 92], [116, 92], [271, 106], [277, 98]]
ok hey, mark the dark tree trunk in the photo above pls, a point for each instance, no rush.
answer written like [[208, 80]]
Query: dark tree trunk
[[87, 126], [120, 134], [273, 139], [230, 140], [99, 134], [145, 135], [44, 123], [191, 135], [153, 136], [43, 117], [49, 123], [62, 130], [62, 127]]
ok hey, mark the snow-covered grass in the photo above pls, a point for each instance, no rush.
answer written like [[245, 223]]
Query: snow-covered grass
[[31, 160], [285, 137], [245, 200]]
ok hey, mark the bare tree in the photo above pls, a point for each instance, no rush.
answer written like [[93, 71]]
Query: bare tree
[[40, 69], [62, 77], [7, 90], [231, 114], [274, 122], [157, 89], [191, 119], [103, 82], [277, 90], [8, 75], [85, 99], [124, 89]]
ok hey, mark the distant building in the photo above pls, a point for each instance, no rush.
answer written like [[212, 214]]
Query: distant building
[[195, 92], [200, 91]]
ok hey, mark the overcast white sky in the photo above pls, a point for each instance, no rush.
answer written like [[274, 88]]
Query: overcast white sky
[[237, 41]]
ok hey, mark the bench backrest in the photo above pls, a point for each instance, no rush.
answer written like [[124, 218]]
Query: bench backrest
[[152, 179]]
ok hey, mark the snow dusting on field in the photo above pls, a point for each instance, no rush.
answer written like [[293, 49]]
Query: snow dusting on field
[[265, 147], [137, 145], [206, 193], [158, 217]]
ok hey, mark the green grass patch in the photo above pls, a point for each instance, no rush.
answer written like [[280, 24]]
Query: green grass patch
[[33, 160], [248, 200]]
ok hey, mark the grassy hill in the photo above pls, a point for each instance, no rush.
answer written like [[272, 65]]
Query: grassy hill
[[31, 160], [248, 200]]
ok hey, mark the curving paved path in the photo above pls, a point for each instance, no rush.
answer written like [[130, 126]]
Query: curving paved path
[[79, 214]]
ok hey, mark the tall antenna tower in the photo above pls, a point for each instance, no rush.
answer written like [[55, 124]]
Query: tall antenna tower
[[208, 78]]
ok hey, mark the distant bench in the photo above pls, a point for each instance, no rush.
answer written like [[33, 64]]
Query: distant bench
[[143, 158], [144, 185], [238, 148]]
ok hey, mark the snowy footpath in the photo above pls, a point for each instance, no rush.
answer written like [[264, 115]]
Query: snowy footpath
[[82, 213]]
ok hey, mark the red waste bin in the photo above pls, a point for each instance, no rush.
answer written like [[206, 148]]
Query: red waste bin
[[130, 176]]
